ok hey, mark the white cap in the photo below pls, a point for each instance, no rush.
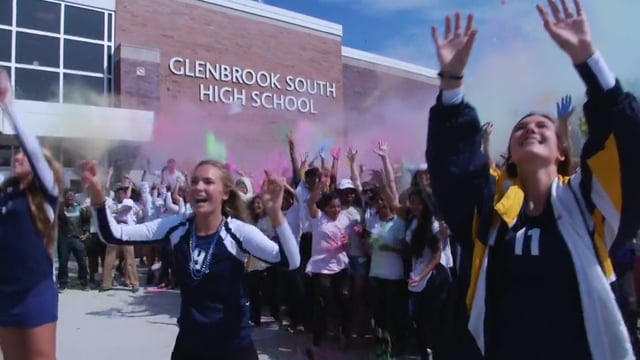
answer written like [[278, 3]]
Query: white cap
[[346, 184]]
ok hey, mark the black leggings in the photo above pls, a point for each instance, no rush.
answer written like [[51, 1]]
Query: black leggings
[[427, 311], [389, 298], [263, 285], [331, 296], [184, 352]]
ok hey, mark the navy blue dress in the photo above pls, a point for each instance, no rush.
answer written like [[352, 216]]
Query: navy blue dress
[[214, 311], [28, 294]]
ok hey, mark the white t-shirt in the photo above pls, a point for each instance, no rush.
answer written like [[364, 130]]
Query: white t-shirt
[[328, 255], [419, 264], [127, 217], [355, 217], [173, 179], [303, 210], [386, 264], [93, 224], [267, 228], [446, 258]]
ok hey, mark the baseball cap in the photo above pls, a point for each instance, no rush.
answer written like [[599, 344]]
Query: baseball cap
[[345, 184]]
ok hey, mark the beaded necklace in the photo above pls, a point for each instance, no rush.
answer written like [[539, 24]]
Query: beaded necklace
[[199, 270]]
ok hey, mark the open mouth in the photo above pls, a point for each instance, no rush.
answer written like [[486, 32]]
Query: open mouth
[[201, 199]]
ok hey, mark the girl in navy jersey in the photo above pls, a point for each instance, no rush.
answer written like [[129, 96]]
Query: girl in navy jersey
[[210, 248], [28, 294], [537, 238]]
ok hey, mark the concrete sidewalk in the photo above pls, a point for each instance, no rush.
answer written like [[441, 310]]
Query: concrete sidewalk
[[126, 326]]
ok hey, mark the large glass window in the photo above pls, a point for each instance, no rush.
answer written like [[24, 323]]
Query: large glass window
[[5, 45], [38, 15], [37, 50], [37, 85], [56, 45], [6, 12], [82, 89], [83, 56], [84, 23]]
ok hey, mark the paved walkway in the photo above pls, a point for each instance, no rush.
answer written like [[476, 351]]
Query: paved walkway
[[126, 326]]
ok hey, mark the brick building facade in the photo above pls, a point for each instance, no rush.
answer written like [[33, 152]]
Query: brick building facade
[[244, 71]]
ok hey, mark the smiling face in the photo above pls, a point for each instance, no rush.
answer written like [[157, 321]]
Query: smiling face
[[209, 188], [535, 141]]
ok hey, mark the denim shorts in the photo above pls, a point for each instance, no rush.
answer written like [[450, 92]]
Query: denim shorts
[[359, 265]]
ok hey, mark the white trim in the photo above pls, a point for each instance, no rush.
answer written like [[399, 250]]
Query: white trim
[[91, 4], [388, 62], [81, 121], [272, 12]]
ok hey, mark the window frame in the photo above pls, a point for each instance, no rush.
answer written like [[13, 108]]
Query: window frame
[[107, 61]]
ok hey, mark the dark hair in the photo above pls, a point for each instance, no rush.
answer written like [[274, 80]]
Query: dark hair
[[254, 216], [233, 206], [326, 199], [414, 178], [423, 233], [357, 202], [564, 166], [312, 172]]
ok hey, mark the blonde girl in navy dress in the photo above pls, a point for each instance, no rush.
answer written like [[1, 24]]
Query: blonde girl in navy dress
[[28, 199]]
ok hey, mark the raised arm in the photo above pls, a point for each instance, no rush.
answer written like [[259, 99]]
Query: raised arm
[[335, 161], [610, 167], [30, 145], [315, 195], [293, 157], [459, 171], [112, 232], [256, 243], [352, 157], [487, 129]]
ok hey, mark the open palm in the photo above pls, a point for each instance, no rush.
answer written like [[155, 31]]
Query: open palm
[[570, 31], [454, 48]]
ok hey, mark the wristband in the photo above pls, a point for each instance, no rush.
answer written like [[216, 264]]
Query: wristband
[[449, 75]]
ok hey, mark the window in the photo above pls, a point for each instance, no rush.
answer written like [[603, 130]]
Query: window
[[109, 60], [38, 15], [37, 50], [37, 85], [82, 89], [5, 45], [54, 45], [109, 27], [84, 23], [6, 12], [83, 56]]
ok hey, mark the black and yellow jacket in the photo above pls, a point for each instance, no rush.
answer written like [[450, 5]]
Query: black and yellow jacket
[[597, 209]]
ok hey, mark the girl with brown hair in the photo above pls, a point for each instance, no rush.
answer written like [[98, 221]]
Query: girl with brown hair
[[536, 238], [28, 202], [210, 247]]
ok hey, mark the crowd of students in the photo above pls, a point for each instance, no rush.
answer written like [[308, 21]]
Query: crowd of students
[[524, 259]]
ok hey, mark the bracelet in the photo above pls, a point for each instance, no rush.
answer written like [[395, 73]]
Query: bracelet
[[449, 75]]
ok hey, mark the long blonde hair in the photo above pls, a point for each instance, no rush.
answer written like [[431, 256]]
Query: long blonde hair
[[37, 202], [233, 206]]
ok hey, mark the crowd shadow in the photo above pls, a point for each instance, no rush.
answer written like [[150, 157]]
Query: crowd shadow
[[144, 304]]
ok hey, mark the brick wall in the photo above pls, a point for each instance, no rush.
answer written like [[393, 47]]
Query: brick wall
[[201, 31], [378, 104], [386, 105]]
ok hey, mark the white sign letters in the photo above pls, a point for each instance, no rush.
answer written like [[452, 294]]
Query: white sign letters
[[273, 86]]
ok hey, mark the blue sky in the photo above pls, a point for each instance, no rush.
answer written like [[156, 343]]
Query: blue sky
[[397, 28]]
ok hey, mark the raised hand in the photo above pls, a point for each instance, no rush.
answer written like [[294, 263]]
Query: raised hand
[[454, 48], [272, 192], [335, 153], [382, 150], [352, 153], [6, 92], [569, 31], [487, 129], [564, 108]]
